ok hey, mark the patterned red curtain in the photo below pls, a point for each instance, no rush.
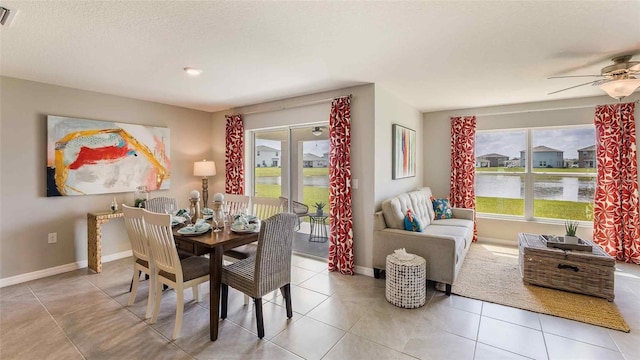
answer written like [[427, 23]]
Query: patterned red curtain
[[340, 215], [462, 189], [234, 155], [615, 210]]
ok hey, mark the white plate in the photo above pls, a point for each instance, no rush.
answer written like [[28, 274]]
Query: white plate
[[176, 220], [190, 230], [244, 230]]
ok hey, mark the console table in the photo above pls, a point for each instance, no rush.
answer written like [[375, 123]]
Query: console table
[[94, 236]]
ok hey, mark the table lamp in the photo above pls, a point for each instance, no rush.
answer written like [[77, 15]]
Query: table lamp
[[205, 169]]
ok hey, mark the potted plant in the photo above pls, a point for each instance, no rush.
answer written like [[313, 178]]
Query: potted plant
[[319, 206], [570, 227]]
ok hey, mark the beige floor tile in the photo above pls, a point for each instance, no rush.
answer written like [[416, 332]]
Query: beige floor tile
[[299, 275], [356, 348], [14, 290], [321, 283], [309, 338], [440, 345], [575, 330], [63, 299], [341, 313], [313, 265], [514, 338], [512, 315], [458, 302], [452, 320], [563, 348], [274, 317], [486, 352], [628, 343], [302, 300]]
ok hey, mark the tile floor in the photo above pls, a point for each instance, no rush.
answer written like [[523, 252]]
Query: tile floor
[[81, 315]]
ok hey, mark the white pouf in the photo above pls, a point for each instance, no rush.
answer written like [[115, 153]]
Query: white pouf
[[406, 285]]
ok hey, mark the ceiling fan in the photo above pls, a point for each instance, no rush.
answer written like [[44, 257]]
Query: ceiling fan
[[617, 80]]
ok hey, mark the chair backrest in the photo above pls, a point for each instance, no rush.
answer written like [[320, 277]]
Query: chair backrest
[[157, 205], [273, 255], [163, 247], [297, 208], [236, 204], [134, 223], [264, 207]]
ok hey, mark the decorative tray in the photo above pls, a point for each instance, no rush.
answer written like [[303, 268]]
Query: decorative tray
[[558, 242]]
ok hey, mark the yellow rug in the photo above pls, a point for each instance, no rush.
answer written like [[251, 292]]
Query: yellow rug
[[490, 273]]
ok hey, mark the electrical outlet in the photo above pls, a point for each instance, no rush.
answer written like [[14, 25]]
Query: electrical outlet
[[52, 238]]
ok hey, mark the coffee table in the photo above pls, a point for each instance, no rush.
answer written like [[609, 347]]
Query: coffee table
[[584, 272]]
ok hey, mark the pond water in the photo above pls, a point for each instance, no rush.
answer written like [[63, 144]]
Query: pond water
[[557, 188], [320, 181]]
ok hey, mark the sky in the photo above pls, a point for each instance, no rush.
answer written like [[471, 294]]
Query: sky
[[308, 147], [510, 143]]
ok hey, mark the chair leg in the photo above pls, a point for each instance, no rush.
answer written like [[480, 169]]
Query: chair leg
[[260, 321], [224, 295], [133, 289], [134, 276], [246, 299], [286, 293], [156, 308], [152, 292], [196, 294], [179, 311]]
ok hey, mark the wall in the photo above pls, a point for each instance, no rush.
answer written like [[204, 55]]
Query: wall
[[288, 112], [541, 114], [391, 110], [27, 215]]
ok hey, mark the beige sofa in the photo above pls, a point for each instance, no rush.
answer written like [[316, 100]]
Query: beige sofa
[[443, 243]]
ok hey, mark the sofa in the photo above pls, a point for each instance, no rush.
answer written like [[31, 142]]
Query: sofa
[[443, 243]]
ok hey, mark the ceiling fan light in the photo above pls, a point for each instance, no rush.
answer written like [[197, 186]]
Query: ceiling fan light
[[619, 89], [316, 131]]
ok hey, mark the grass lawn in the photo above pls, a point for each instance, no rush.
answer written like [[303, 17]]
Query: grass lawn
[[554, 209], [312, 194], [548, 170]]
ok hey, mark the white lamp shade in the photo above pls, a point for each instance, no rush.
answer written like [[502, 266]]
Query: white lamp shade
[[204, 168], [618, 89]]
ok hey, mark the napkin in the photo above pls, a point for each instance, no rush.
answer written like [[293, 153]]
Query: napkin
[[207, 211], [402, 254], [200, 225]]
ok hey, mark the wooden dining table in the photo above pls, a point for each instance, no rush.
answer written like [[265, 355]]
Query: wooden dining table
[[214, 244]]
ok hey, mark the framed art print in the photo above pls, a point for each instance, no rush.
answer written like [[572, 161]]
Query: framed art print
[[404, 152]]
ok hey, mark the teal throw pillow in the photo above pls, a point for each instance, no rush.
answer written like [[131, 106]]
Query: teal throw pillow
[[411, 223], [442, 208]]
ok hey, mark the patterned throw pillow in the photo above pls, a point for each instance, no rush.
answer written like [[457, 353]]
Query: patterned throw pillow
[[411, 223], [442, 208]]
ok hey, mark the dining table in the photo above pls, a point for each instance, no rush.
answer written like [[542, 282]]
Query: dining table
[[214, 244]]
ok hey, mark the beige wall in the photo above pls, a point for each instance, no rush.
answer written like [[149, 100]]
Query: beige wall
[[27, 215], [541, 114]]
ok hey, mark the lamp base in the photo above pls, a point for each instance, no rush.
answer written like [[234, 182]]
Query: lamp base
[[205, 191]]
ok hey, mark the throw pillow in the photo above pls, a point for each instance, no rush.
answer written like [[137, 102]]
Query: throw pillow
[[442, 208], [411, 223]]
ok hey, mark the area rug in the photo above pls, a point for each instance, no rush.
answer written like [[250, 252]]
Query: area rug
[[490, 273]]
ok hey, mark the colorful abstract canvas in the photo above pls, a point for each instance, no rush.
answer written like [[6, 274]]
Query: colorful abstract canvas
[[404, 152], [87, 157]]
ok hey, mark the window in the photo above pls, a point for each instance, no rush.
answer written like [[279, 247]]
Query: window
[[557, 186]]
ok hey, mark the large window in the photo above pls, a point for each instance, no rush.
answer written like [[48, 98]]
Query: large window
[[558, 182]]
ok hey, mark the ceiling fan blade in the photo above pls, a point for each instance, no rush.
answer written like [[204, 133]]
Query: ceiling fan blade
[[573, 76], [573, 87]]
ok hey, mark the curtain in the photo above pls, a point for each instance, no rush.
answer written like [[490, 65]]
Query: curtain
[[340, 215], [615, 208], [234, 155], [462, 191]]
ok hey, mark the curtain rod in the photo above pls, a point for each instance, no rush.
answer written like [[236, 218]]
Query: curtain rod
[[547, 109], [306, 103]]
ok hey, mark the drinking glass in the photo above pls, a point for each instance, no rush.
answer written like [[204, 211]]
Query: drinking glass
[[217, 216]]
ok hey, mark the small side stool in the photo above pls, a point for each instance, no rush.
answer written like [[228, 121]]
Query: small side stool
[[406, 284]]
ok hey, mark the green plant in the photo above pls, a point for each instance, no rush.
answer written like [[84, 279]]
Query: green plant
[[320, 205], [570, 227]]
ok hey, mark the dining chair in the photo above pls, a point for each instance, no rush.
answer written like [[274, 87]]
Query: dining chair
[[264, 207], [159, 204], [236, 204], [298, 208], [268, 270], [134, 223], [169, 269]]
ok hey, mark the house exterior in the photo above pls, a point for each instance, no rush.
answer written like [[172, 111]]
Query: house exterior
[[544, 157], [482, 162], [267, 156], [314, 161], [495, 160], [587, 157]]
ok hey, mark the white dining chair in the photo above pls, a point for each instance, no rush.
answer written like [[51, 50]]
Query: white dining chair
[[169, 269], [264, 207], [236, 204], [134, 223]]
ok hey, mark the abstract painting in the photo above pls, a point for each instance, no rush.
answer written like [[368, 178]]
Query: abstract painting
[[404, 152], [87, 157]]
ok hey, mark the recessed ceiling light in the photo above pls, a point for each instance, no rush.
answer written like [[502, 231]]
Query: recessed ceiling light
[[193, 71]]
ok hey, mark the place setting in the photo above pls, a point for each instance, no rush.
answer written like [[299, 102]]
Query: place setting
[[200, 227]]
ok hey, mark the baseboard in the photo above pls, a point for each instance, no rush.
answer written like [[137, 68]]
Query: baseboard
[[363, 270], [58, 269], [503, 242]]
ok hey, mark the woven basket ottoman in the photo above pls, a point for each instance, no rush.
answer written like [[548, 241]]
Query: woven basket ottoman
[[406, 284]]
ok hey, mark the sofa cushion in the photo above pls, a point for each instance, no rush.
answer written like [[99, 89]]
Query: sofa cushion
[[394, 209], [411, 223], [454, 222], [442, 208], [459, 234]]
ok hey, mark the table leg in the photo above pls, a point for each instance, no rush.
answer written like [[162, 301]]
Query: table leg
[[94, 244], [215, 271]]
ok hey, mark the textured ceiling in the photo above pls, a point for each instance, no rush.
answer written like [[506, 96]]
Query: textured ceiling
[[432, 55]]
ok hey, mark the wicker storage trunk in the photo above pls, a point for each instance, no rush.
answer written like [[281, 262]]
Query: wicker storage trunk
[[590, 273]]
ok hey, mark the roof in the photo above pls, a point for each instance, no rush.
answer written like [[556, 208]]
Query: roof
[[543, 148], [312, 157], [588, 148], [492, 155], [266, 148]]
